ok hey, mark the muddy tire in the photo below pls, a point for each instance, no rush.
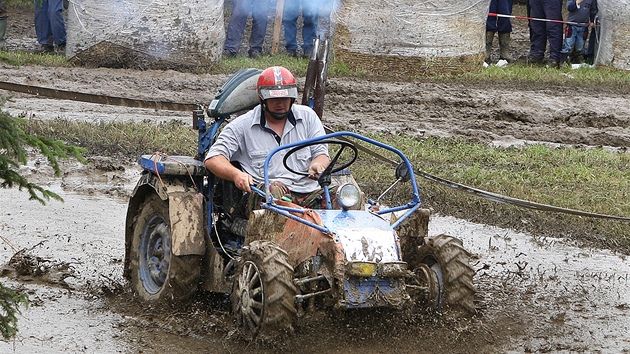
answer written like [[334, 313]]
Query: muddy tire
[[156, 273], [263, 293], [448, 264]]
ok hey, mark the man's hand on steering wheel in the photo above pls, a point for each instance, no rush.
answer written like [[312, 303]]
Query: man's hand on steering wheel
[[315, 169]]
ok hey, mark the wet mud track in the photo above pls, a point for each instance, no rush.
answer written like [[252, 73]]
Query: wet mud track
[[534, 294]]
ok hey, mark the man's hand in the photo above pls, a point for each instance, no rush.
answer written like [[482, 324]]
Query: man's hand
[[317, 166], [243, 181], [315, 169], [222, 168]]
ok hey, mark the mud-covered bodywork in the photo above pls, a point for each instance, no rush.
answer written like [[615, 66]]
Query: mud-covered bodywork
[[360, 254]]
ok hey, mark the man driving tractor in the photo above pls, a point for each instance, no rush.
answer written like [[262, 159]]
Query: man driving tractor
[[276, 121]]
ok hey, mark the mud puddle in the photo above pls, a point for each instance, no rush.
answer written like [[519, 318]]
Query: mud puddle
[[562, 297], [535, 294]]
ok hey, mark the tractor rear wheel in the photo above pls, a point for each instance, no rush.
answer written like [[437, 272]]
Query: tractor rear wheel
[[447, 265], [156, 273], [263, 294]]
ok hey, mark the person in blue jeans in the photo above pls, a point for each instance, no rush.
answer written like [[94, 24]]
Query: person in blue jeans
[[502, 25], [310, 18], [582, 13], [50, 25], [542, 32], [241, 10]]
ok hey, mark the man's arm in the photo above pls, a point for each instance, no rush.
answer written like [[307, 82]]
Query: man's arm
[[221, 167]]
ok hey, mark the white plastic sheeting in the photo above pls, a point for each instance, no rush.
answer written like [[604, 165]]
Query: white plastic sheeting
[[145, 32], [614, 46], [414, 27]]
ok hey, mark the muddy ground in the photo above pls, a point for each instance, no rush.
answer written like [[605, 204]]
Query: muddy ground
[[536, 294]]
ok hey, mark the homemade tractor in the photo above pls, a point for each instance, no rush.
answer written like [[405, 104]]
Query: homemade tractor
[[182, 235]]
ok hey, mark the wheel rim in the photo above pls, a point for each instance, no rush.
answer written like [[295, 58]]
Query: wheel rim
[[155, 254], [434, 265], [251, 299]]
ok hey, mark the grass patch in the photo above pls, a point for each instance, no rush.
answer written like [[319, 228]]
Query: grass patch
[[120, 139], [515, 72], [520, 72], [18, 58], [592, 180]]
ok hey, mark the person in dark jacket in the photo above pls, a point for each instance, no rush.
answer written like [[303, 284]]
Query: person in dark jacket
[[582, 16], [543, 31]]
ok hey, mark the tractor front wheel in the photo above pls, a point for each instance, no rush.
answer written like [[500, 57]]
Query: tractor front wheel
[[156, 273], [263, 294], [445, 265]]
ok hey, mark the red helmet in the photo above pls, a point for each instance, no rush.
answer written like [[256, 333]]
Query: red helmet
[[276, 82]]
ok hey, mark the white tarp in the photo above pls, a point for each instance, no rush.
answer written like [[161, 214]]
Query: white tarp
[[413, 28], [614, 49], [175, 32]]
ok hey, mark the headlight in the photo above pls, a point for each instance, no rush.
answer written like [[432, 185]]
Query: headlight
[[348, 196]]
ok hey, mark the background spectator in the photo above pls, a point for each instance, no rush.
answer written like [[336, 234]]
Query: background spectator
[[542, 32], [50, 25], [310, 18], [593, 42], [241, 9], [582, 12], [502, 25], [326, 9]]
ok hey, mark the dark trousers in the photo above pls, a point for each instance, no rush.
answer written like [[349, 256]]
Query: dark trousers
[[3, 9], [50, 25], [240, 12], [499, 24], [310, 17], [542, 32]]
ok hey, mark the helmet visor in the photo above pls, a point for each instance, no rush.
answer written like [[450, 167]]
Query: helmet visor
[[280, 91]]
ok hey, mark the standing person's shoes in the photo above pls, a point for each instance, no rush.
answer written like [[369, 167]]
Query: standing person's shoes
[[228, 53], [489, 39], [504, 47], [553, 64], [254, 53], [534, 60], [61, 48], [46, 48], [307, 52]]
